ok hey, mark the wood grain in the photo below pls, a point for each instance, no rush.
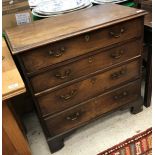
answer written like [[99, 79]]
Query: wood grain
[[12, 83], [51, 46], [46, 31], [52, 54], [148, 20], [74, 117], [56, 101], [14, 143], [85, 66]]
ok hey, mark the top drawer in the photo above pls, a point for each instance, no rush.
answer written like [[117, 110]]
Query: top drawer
[[66, 49]]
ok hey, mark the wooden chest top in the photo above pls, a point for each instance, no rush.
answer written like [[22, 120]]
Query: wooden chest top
[[25, 37]]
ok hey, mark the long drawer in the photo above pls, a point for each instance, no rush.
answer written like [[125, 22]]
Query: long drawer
[[85, 66], [75, 117], [57, 52], [81, 91]]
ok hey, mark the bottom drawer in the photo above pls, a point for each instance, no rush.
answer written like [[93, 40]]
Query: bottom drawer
[[82, 113]]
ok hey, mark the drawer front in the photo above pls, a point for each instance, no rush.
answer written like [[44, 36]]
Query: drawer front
[[81, 91], [66, 49], [85, 66], [83, 113]]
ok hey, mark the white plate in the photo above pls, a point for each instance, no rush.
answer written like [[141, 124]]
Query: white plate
[[102, 1], [34, 3], [107, 1], [120, 1], [50, 15], [62, 12], [42, 16], [37, 10], [53, 6]]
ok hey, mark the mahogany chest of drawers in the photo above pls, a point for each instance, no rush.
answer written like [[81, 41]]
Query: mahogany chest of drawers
[[81, 66]]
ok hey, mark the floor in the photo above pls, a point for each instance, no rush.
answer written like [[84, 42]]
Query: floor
[[93, 138]]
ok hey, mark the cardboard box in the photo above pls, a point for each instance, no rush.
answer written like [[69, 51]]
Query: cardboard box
[[15, 12]]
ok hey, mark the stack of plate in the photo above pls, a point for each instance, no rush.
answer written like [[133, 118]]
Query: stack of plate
[[56, 7], [107, 1]]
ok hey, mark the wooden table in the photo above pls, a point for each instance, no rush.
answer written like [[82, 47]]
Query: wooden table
[[13, 141]]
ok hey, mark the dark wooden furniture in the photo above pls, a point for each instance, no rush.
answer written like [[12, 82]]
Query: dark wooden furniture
[[14, 141], [148, 44], [148, 81], [81, 66], [147, 52], [148, 78], [147, 5]]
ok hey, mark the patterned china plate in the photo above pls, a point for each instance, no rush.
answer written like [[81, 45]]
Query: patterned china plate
[[45, 15], [56, 6], [57, 13]]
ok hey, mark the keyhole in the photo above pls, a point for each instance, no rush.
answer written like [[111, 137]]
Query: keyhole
[[93, 80], [90, 59], [87, 38]]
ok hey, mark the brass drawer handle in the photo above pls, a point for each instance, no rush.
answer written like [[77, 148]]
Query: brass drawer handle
[[121, 95], [58, 53], [113, 34], [118, 74], [73, 116], [69, 95], [66, 74], [117, 54]]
